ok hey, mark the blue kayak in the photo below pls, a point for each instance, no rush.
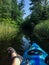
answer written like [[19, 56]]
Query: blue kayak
[[34, 56]]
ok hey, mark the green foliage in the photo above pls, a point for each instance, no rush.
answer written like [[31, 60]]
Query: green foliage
[[10, 9], [36, 9], [8, 29], [42, 29], [41, 32], [10, 36], [39, 10], [16, 13], [21, 6], [36, 25], [5, 8]]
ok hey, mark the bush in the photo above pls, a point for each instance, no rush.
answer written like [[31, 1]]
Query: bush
[[8, 29], [41, 32], [8, 32], [42, 29]]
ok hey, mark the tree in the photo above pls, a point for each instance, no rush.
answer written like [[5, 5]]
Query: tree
[[10, 31], [41, 33], [45, 12], [16, 13], [5, 8], [10, 36], [21, 7], [39, 10], [36, 10], [10, 9], [32, 19]]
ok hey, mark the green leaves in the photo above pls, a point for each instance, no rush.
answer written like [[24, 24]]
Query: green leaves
[[42, 29], [41, 33], [39, 9], [8, 35], [5, 10], [10, 9], [8, 29]]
